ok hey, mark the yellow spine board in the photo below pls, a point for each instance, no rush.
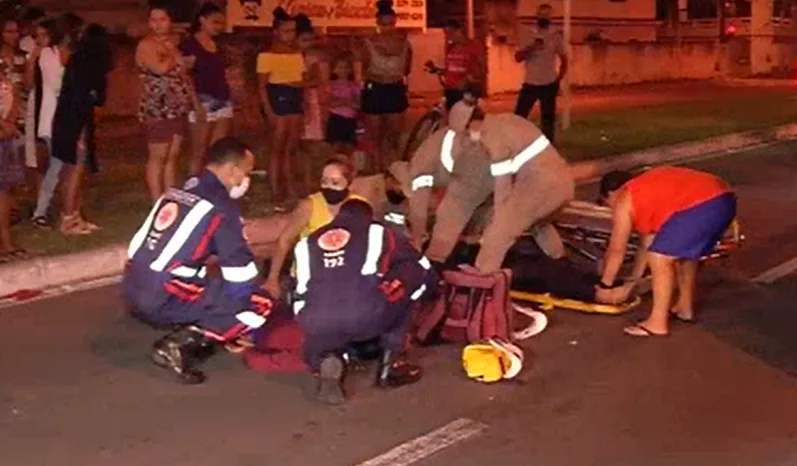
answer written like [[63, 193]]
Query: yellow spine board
[[548, 302]]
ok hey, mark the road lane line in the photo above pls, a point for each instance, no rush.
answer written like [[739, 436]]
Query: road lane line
[[776, 273], [428, 444]]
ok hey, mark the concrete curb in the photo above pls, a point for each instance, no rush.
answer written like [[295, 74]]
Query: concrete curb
[[56, 271]]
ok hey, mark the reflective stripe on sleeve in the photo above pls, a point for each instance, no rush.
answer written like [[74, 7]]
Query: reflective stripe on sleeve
[[141, 234], [418, 293], [446, 151], [302, 256], [422, 181], [240, 274], [513, 165], [375, 239]]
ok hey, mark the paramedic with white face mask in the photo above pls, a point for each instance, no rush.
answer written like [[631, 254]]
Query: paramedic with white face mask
[[531, 181]]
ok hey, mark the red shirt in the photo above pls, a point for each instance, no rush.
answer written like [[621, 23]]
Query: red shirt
[[462, 60], [663, 191]]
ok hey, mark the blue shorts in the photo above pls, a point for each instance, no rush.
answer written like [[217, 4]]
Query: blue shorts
[[286, 100], [694, 233]]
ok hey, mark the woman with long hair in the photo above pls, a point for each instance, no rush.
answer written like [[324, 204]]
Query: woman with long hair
[[166, 99], [12, 123], [281, 76], [63, 33], [386, 63], [84, 88], [208, 67]]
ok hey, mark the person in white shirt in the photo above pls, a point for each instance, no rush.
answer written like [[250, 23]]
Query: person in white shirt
[[31, 29]]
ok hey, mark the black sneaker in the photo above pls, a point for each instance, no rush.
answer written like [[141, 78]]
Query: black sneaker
[[175, 352], [394, 373], [330, 381]]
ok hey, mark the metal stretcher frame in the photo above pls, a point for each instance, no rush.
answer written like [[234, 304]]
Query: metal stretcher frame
[[591, 223]]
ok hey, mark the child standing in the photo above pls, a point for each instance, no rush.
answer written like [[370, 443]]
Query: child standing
[[344, 105]]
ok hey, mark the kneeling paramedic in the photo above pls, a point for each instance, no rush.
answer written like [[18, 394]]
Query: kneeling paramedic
[[357, 280], [166, 278]]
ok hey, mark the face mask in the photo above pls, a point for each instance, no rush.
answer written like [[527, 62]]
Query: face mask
[[543, 23], [334, 196], [396, 197], [475, 136], [238, 192]]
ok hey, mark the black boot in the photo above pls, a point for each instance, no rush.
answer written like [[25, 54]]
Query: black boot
[[394, 372], [330, 381], [179, 352]]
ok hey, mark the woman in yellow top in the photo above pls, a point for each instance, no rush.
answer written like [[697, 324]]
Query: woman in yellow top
[[280, 77], [314, 212]]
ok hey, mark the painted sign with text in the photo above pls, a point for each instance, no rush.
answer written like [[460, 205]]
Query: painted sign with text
[[324, 13]]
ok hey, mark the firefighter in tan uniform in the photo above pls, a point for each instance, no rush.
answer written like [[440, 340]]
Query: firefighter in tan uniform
[[531, 181], [451, 161]]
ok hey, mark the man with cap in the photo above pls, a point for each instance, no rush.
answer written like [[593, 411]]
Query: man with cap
[[530, 180], [357, 280]]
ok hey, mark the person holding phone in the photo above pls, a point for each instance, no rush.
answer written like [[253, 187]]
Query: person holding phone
[[539, 50]]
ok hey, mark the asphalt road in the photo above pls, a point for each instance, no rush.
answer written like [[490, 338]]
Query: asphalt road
[[76, 387]]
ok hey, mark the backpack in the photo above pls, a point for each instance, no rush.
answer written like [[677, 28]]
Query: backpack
[[470, 308]]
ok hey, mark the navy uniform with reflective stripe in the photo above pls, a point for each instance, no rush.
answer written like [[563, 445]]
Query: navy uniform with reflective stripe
[[166, 278], [357, 280]]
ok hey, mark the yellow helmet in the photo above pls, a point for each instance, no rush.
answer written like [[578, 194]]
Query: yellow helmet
[[492, 361]]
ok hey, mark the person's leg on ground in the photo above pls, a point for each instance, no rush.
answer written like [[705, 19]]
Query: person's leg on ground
[[525, 101], [687, 280], [200, 135], [170, 166], [48, 185], [373, 131], [394, 125], [548, 95], [155, 163], [276, 162], [663, 276], [393, 369], [6, 242]]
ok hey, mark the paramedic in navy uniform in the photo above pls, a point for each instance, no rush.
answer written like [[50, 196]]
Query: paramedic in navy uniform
[[166, 279], [356, 280]]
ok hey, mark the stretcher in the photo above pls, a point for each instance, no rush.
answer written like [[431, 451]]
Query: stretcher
[[586, 227], [546, 302]]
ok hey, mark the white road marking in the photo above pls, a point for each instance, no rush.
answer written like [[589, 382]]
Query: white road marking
[[776, 273], [428, 444]]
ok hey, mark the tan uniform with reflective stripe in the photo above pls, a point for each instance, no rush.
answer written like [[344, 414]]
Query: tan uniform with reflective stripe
[[541, 184], [468, 185]]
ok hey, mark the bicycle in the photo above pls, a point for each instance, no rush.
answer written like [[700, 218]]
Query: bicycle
[[585, 229]]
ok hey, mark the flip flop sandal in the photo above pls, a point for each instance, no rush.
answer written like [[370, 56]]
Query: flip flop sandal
[[676, 316], [640, 331]]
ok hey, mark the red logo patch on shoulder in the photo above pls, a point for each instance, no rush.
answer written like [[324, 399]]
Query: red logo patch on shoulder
[[166, 217], [334, 240]]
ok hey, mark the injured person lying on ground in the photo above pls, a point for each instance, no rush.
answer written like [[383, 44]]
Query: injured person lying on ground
[[533, 271], [356, 280]]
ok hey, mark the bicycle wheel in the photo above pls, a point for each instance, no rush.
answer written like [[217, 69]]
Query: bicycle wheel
[[427, 125]]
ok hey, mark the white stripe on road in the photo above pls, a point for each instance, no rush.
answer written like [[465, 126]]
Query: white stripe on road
[[776, 273], [428, 444]]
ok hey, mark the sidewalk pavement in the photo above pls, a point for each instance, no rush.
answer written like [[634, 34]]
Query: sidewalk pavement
[[21, 280]]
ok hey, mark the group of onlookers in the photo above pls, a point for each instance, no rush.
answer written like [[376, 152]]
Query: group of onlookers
[[52, 76]]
